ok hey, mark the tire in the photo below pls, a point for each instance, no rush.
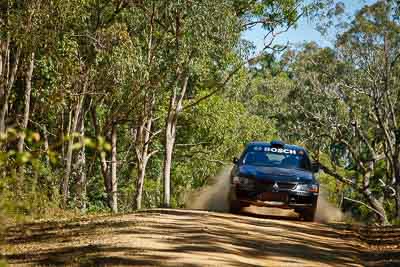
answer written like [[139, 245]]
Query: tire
[[235, 207], [308, 214]]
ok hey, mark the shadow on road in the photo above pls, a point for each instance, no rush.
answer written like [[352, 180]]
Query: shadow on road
[[183, 238], [270, 213]]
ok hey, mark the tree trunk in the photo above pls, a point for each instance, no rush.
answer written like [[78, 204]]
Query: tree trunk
[[373, 202], [104, 166], [9, 83], [46, 146], [1, 71], [397, 197], [106, 177], [109, 172], [142, 139], [68, 158], [62, 135], [28, 89], [82, 167], [142, 154], [175, 107], [168, 150], [114, 184], [140, 183], [378, 206], [396, 177], [169, 147]]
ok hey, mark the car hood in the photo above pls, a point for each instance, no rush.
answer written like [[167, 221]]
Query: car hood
[[275, 174]]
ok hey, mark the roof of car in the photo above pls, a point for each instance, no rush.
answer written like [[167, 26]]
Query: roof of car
[[263, 143]]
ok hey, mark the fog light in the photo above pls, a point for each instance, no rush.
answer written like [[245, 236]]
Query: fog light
[[244, 181], [312, 188]]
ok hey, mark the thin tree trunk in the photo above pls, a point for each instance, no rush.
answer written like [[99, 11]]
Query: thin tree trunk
[[143, 133], [396, 177], [143, 156], [397, 198], [104, 166], [168, 150], [175, 107], [82, 168], [46, 146], [140, 184], [114, 181], [105, 171], [68, 159], [139, 148], [1, 71], [9, 83], [169, 146], [28, 89], [62, 135]]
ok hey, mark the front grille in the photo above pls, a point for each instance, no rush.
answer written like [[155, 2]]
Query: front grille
[[295, 199], [287, 186], [260, 186]]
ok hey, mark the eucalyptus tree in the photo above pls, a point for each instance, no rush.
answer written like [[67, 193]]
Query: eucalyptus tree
[[348, 98], [209, 31], [28, 32], [372, 46], [122, 72], [194, 31], [148, 31], [380, 29], [213, 133], [24, 31], [111, 56]]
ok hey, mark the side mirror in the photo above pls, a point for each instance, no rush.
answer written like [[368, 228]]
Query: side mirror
[[315, 166], [235, 160]]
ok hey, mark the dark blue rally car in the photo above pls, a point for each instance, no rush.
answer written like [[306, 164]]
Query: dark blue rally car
[[274, 174]]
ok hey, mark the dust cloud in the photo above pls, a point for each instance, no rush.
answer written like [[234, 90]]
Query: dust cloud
[[326, 211], [214, 197]]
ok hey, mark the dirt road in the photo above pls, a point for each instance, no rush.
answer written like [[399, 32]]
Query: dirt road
[[182, 238]]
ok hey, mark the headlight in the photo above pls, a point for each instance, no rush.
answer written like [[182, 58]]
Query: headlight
[[313, 188], [242, 181]]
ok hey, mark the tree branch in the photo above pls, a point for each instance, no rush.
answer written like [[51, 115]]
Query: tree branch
[[337, 176], [362, 203]]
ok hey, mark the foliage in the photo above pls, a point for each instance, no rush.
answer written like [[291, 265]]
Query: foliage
[[32, 193], [345, 106], [100, 93]]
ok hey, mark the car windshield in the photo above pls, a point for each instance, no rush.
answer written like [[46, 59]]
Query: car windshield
[[281, 160]]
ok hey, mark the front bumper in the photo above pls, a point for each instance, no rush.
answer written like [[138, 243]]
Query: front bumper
[[287, 199]]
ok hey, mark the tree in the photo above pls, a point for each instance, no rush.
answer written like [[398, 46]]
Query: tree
[[110, 86], [197, 35], [345, 105]]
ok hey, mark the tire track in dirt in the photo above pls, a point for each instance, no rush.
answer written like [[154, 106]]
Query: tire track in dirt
[[182, 238]]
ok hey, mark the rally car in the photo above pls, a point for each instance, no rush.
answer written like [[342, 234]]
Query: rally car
[[275, 174]]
